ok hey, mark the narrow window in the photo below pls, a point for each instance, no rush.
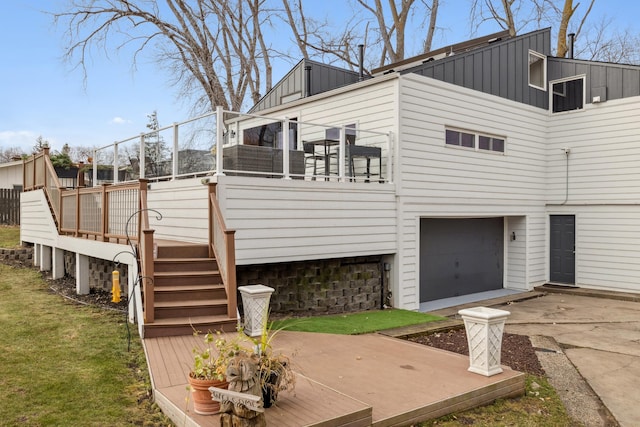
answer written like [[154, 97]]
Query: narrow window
[[462, 139], [537, 70], [490, 143], [567, 95]]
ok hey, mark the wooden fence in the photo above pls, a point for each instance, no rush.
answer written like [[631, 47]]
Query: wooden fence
[[9, 206]]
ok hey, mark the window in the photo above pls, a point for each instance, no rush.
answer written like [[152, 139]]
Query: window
[[475, 141], [537, 70], [567, 94], [490, 143], [454, 137], [269, 135]]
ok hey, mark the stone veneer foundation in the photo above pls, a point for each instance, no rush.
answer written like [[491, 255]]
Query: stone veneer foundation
[[322, 286], [99, 272]]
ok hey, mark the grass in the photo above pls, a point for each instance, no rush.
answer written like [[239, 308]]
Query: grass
[[9, 237], [356, 323], [539, 407], [63, 364]]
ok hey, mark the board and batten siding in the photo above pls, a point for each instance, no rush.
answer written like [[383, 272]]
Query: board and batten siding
[[289, 220], [441, 181], [603, 190]]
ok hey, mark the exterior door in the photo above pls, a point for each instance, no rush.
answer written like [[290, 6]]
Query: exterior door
[[460, 256], [562, 249]]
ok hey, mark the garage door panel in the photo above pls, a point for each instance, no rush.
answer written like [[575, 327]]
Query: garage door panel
[[460, 256]]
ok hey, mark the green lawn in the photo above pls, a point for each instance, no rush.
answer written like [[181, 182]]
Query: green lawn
[[356, 323], [63, 364], [9, 236]]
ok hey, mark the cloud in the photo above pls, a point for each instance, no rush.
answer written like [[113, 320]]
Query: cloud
[[119, 121], [21, 138]]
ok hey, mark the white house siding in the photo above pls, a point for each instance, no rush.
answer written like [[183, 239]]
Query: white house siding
[[440, 181], [603, 191], [36, 222], [184, 208], [289, 220], [10, 174]]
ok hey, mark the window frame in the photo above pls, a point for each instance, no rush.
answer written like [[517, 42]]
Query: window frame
[[476, 140], [564, 94], [544, 69]]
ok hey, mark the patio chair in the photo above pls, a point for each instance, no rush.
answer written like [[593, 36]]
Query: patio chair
[[310, 154]]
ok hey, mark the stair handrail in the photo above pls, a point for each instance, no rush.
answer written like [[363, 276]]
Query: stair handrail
[[146, 254], [222, 246]]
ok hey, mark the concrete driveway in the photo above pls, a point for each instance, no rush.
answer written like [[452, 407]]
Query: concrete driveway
[[600, 337]]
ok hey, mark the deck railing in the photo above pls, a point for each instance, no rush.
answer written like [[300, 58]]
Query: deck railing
[[231, 143], [222, 245]]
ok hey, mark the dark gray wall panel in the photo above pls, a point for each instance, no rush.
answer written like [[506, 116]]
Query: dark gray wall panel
[[460, 256], [500, 69], [620, 81]]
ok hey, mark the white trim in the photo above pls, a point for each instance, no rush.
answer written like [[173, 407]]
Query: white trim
[[544, 70], [582, 77]]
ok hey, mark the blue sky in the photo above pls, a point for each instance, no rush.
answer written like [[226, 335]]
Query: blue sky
[[43, 95]]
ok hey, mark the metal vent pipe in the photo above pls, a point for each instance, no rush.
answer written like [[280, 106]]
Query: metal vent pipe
[[572, 38], [360, 62], [307, 72]]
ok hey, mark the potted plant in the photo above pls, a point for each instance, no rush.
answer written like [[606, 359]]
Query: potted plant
[[276, 372], [209, 369]]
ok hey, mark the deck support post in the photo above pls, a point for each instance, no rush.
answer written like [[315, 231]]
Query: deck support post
[[82, 274], [36, 254], [57, 271], [45, 258]]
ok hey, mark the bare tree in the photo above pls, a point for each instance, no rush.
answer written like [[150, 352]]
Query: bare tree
[[432, 26], [379, 25], [9, 154], [600, 43], [516, 15], [213, 46]]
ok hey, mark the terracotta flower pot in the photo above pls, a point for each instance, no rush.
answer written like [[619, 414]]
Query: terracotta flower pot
[[203, 404]]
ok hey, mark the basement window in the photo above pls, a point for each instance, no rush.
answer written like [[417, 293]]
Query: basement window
[[567, 94], [537, 70]]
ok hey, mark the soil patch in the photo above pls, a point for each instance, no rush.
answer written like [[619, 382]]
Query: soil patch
[[66, 287], [517, 351]]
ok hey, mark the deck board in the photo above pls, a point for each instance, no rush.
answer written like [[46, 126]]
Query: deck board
[[345, 381]]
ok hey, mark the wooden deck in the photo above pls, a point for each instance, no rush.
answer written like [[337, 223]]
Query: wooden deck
[[344, 381]]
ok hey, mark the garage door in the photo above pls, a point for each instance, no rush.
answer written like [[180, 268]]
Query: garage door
[[460, 256]]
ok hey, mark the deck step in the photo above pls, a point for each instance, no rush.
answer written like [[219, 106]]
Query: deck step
[[187, 325], [189, 250], [189, 292], [190, 308], [185, 264], [209, 277]]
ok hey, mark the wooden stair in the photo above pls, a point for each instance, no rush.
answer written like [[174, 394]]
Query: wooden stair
[[189, 293]]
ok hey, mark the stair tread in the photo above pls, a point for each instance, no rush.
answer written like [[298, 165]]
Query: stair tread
[[184, 259], [192, 320], [174, 288], [190, 303], [186, 273]]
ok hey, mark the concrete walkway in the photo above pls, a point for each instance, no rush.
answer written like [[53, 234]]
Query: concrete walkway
[[598, 333]]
